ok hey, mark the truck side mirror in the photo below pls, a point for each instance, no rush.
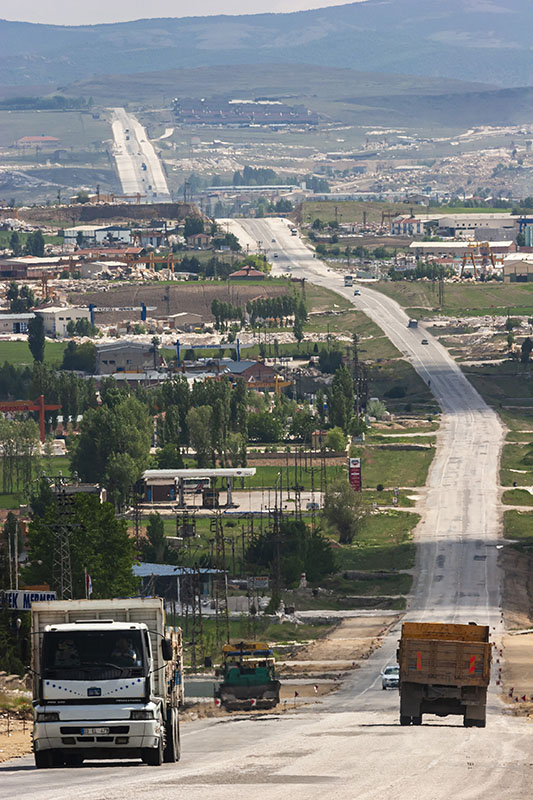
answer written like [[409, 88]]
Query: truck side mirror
[[166, 649]]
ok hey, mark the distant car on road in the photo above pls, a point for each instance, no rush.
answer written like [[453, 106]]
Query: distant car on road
[[425, 341], [312, 507], [390, 677], [273, 240], [356, 292], [275, 255]]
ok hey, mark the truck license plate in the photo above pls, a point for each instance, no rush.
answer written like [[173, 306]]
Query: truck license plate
[[94, 731]]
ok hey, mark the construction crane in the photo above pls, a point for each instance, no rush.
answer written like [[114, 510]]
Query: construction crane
[[479, 252], [169, 261], [17, 406]]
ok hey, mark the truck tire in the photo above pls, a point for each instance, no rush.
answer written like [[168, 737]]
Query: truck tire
[[153, 756], [44, 759], [172, 744], [404, 720], [417, 720]]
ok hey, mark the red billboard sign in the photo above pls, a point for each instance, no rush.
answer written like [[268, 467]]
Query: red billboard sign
[[354, 473]]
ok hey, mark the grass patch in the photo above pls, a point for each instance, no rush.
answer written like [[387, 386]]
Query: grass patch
[[513, 459], [518, 525], [384, 543], [518, 419], [390, 585], [462, 299], [394, 467], [399, 374], [517, 497], [502, 383], [19, 353]]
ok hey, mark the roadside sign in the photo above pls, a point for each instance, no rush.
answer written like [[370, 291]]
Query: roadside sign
[[21, 601], [354, 473], [258, 582]]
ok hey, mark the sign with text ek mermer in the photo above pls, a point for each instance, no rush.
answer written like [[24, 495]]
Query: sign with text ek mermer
[[21, 601]]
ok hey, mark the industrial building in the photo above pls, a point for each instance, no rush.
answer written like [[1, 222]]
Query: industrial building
[[126, 356], [56, 319]]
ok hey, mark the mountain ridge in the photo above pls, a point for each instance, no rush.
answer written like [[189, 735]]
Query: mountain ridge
[[472, 40]]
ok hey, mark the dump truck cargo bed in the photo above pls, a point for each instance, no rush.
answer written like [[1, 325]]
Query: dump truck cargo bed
[[444, 669]]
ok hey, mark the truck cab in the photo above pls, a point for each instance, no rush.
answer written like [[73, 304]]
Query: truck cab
[[105, 688]]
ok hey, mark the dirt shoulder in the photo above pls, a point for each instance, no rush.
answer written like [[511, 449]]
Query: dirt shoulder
[[517, 651], [15, 738]]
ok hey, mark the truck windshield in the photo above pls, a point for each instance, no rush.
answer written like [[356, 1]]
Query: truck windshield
[[92, 655]]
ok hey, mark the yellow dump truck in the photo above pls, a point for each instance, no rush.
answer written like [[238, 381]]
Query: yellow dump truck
[[444, 669]]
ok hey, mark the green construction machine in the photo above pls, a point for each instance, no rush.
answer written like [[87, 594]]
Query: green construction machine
[[248, 677]]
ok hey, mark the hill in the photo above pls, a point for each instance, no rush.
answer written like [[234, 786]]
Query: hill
[[462, 39]]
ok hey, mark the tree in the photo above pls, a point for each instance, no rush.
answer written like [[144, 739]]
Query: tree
[[99, 542], [296, 548], [345, 510], [80, 357], [298, 330], [154, 547], [336, 440], [264, 427], [341, 399], [35, 244], [303, 425], [20, 301], [199, 424], [82, 197], [36, 339], [193, 225], [15, 244], [376, 408], [113, 445], [526, 348]]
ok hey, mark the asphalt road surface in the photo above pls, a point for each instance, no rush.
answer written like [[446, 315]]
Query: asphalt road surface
[[138, 164], [351, 745]]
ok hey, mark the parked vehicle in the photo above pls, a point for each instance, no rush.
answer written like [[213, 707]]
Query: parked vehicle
[[248, 677], [444, 669], [390, 677], [108, 681]]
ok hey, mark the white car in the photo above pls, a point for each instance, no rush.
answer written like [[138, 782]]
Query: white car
[[357, 292], [390, 677]]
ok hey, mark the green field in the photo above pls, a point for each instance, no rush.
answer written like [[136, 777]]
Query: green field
[[399, 375], [504, 383], [461, 299], [393, 468], [74, 129], [384, 543], [19, 353], [5, 238], [518, 525], [512, 466], [517, 497]]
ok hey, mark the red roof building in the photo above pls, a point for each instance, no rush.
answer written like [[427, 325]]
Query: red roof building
[[247, 273]]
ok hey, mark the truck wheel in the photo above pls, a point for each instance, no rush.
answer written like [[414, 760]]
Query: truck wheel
[[468, 723], [172, 738], [153, 756], [417, 720], [480, 723], [43, 759], [404, 720]]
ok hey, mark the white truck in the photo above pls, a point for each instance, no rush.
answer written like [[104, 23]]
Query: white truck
[[107, 681]]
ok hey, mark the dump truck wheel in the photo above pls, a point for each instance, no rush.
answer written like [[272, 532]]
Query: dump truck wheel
[[404, 720], [417, 720], [171, 744], [44, 759]]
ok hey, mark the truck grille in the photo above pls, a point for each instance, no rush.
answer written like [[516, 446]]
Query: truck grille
[[115, 730]]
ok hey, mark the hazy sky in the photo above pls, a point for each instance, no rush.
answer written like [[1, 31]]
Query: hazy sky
[[90, 12]]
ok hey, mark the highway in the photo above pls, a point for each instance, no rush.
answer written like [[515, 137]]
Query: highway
[[138, 165], [351, 745]]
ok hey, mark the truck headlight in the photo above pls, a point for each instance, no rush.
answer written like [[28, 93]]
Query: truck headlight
[[141, 714], [47, 716]]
